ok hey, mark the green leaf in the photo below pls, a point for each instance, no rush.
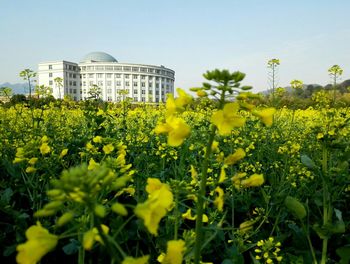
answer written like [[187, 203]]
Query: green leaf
[[72, 247], [6, 195], [344, 254], [307, 161]]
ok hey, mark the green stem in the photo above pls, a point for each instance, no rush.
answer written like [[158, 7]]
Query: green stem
[[202, 189], [325, 201]]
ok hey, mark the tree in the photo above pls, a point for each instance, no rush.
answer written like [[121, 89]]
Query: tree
[[272, 74], [335, 72], [27, 75], [95, 92], [297, 85], [43, 91], [58, 84], [6, 92]]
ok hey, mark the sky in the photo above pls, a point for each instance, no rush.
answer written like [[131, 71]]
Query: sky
[[188, 36]]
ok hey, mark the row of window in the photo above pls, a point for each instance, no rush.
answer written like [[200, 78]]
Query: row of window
[[71, 75], [126, 76], [67, 67], [126, 68], [127, 83]]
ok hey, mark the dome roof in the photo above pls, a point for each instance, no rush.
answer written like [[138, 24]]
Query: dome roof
[[98, 57]]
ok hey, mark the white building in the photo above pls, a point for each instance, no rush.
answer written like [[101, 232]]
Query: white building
[[142, 83]]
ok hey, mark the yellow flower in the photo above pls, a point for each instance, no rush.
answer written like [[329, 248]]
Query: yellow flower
[[39, 242], [30, 169], [92, 236], [215, 146], [246, 226], [107, 149], [32, 161], [219, 200], [93, 164], [140, 260], [266, 115], [44, 139], [183, 99], [222, 176], [233, 158], [176, 128], [175, 251], [160, 200], [227, 118], [188, 215], [45, 148], [97, 139], [194, 176], [63, 153], [18, 160], [202, 93], [253, 181]]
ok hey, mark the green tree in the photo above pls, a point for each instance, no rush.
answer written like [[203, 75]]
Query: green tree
[[95, 92], [297, 85], [28, 75], [58, 84], [272, 75], [335, 73], [6, 92], [43, 91]]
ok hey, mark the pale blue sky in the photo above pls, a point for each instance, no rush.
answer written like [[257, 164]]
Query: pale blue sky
[[308, 36]]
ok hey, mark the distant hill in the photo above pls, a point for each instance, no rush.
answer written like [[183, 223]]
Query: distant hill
[[17, 88]]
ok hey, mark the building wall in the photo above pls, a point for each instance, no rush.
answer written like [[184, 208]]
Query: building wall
[[143, 83], [69, 73]]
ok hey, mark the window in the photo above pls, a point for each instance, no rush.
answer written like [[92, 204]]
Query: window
[[143, 99], [143, 69], [84, 76], [158, 71], [74, 75], [134, 77], [150, 70], [91, 75], [83, 68], [157, 78], [70, 75], [109, 83], [157, 85], [109, 91], [74, 68], [70, 67], [162, 86], [50, 74], [126, 68], [91, 83], [135, 84], [127, 83], [50, 67], [126, 76], [70, 90], [100, 75], [143, 92], [74, 83], [143, 84], [117, 75], [74, 91], [117, 68], [143, 77], [50, 82], [100, 83], [109, 75], [109, 98], [150, 84], [70, 83], [109, 68], [119, 83], [136, 92], [135, 99], [99, 68], [84, 83], [90, 68], [135, 69], [163, 79]]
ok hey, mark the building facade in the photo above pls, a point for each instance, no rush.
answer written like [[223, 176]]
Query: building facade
[[114, 81]]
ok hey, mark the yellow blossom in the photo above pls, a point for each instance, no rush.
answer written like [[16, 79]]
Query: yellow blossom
[[266, 115], [92, 236], [194, 176], [175, 251], [233, 158], [140, 260], [107, 149], [188, 215], [63, 153], [119, 209], [92, 164], [219, 200], [39, 243], [222, 176], [30, 169], [176, 128], [160, 200], [253, 181], [227, 119], [45, 148], [97, 139], [32, 161]]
